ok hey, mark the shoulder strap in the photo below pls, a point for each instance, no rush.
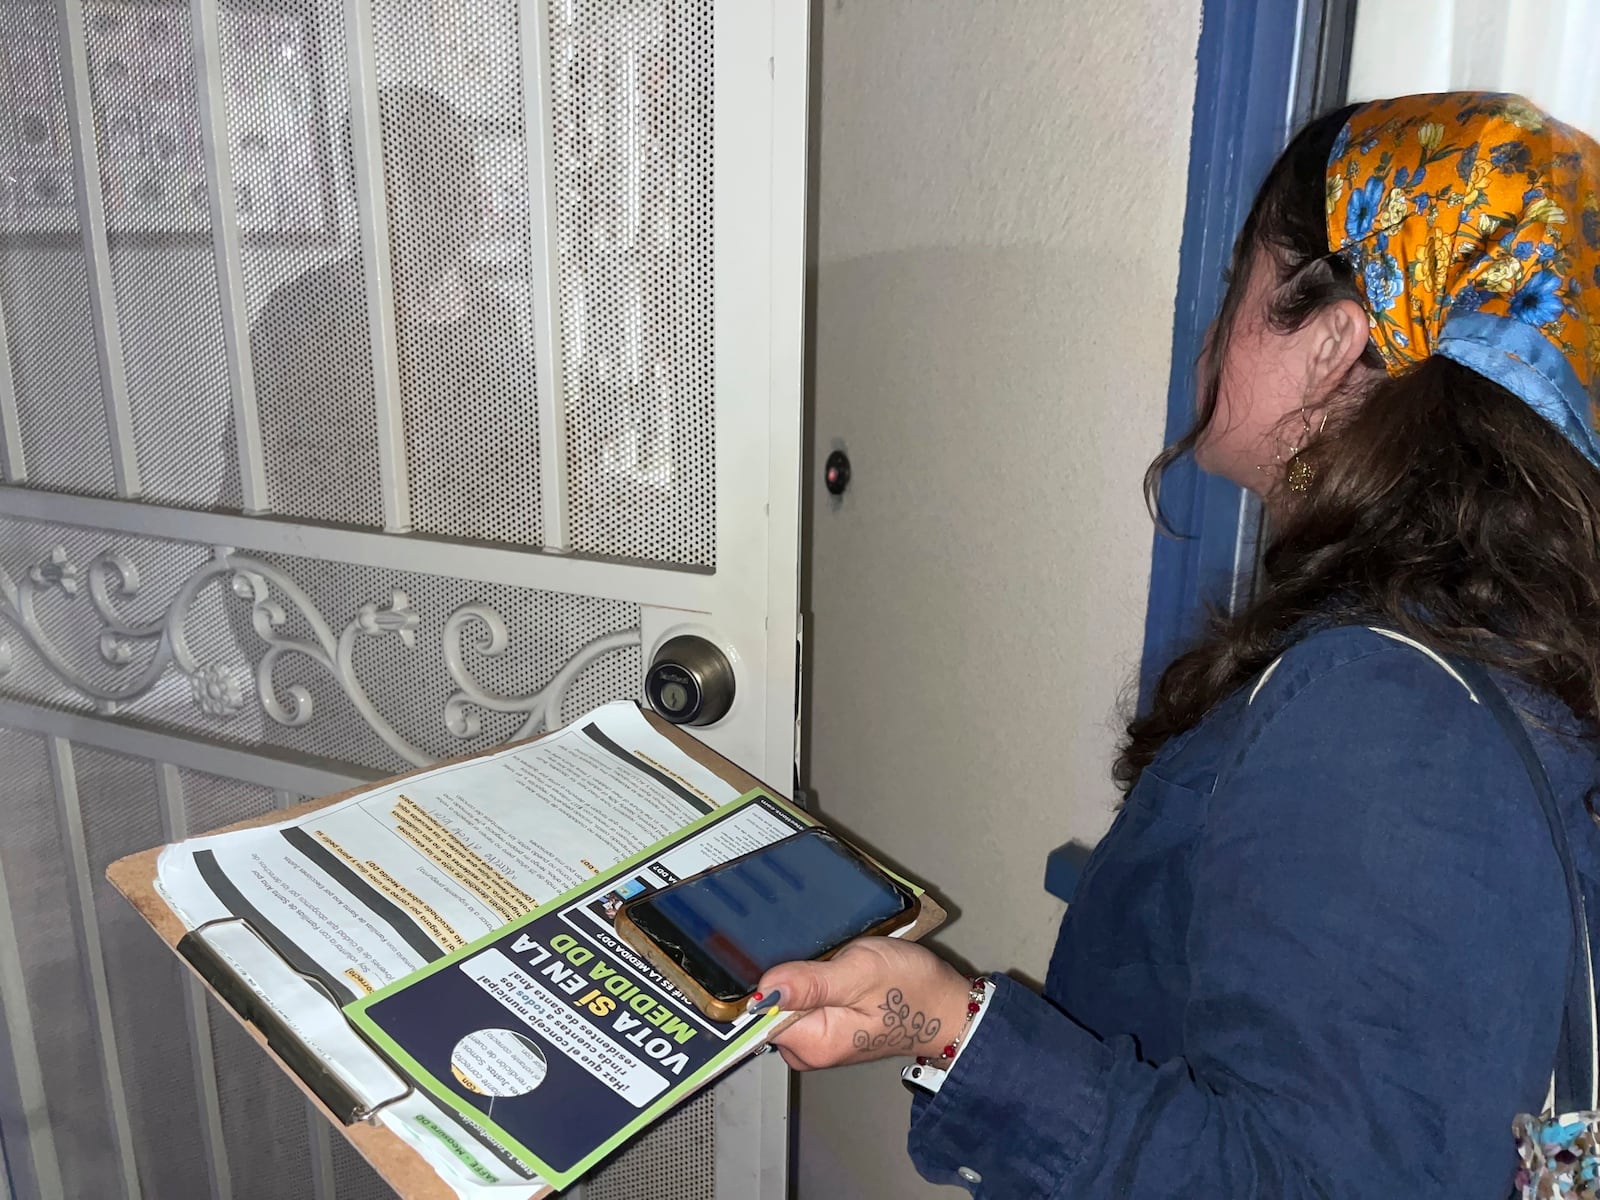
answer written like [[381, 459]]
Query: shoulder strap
[[1577, 1075]]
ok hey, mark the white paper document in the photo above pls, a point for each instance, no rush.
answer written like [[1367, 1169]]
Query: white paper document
[[367, 891]]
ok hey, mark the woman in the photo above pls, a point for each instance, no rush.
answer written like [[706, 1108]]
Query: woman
[[1323, 950]]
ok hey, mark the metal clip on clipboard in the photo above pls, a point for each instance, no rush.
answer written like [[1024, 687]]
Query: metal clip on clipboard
[[343, 1070]]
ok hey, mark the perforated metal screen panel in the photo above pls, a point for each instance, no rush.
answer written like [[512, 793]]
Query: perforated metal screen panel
[[352, 1178], [121, 815], [44, 283], [455, 169], [673, 1161], [211, 802], [633, 107], [631, 153], [286, 71], [39, 904], [45, 289], [153, 188], [265, 1123]]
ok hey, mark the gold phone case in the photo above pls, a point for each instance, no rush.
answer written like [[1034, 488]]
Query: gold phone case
[[729, 1010]]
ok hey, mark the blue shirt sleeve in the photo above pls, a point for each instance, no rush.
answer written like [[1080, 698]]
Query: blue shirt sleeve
[[1377, 950]]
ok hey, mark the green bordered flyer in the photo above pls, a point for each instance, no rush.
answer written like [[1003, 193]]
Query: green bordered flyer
[[551, 1034]]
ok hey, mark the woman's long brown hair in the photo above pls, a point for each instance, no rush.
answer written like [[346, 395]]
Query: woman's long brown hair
[[1441, 505]]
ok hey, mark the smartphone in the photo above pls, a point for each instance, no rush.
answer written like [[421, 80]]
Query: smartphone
[[714, 935]]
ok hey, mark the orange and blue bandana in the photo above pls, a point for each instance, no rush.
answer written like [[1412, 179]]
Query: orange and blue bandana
[[1472, 221]]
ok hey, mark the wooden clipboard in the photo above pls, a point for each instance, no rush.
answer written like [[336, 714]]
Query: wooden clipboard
[[401, 1166]]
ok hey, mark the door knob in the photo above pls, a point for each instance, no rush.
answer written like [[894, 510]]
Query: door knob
[[690, 681]]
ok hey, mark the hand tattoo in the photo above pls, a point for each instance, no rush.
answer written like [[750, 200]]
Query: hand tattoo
[[902, 1028]]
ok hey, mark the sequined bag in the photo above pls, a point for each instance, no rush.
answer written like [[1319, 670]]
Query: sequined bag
[[1559, 1150]]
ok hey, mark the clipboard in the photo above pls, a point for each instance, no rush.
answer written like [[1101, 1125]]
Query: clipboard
[[400, 1165]]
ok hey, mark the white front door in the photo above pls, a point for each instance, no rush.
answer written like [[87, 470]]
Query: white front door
[[378, 381]]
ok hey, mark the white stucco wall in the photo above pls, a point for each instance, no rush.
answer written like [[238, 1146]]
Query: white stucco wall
[[1001, 203]]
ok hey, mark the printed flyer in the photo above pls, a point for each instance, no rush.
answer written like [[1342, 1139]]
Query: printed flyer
[[551, 1034]]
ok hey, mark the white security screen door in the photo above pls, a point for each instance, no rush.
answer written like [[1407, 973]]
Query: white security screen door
[[379, 380]]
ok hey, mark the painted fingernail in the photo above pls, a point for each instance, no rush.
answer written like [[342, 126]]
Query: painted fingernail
[[768, 1001]]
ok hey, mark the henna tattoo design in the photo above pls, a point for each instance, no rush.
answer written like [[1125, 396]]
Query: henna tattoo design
[[903, 1028]]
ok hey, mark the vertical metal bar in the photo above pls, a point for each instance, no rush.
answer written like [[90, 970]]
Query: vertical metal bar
[[366, 145], [97, 250], [1302, 67], [223, 208], [41, 1142], [13, 464], [174, 828], [544, 269], [1332, 83], [323, 1186], [71, 816]]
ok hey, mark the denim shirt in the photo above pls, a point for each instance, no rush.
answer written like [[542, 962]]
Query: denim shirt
[[1321, 952]]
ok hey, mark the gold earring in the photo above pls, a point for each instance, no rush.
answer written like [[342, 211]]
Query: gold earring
[[1298, 473]]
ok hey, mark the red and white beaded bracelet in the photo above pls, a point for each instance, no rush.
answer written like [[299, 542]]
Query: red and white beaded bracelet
[[978, 987]]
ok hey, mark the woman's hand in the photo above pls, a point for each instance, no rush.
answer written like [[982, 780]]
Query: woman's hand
[[876, 998]]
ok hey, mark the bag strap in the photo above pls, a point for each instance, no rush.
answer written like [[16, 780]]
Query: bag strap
[[1577, 1074]]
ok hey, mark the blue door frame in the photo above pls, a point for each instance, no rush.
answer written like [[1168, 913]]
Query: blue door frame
[[1262, 68], [1257, 79]]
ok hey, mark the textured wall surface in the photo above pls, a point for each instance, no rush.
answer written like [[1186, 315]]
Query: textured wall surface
[[1001, 203]]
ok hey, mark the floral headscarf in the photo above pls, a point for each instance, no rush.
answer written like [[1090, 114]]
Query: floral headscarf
[[1473, 223]]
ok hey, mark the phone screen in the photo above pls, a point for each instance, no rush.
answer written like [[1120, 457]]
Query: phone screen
[[795, 899]]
